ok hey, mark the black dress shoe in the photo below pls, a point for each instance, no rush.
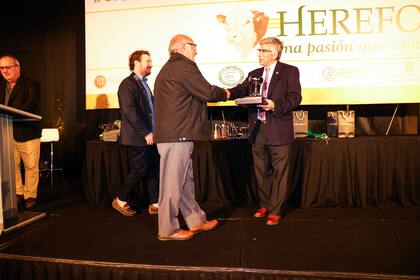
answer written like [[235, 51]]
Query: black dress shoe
[[20, 201], [30, 202]]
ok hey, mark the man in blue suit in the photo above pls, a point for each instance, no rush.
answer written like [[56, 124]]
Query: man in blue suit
[[137, 132], [271, 126]]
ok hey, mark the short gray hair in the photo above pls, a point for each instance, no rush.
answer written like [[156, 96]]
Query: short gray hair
[[275, 42], [15, 60]]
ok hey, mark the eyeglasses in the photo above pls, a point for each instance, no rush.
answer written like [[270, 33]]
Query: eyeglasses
[[7, 67], [264, 50], [191, 44]]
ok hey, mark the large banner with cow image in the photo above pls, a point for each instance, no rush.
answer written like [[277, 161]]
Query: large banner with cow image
[[348, 52]]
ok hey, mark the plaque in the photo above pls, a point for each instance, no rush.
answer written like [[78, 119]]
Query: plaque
[[255, 98]]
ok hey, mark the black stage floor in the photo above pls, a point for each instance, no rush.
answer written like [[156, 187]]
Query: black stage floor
[[384, 241]]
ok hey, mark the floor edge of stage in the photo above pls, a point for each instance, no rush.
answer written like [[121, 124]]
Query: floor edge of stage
[[10, 262]]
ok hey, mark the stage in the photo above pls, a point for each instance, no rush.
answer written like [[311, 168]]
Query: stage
[[353, 214], [81, 240]]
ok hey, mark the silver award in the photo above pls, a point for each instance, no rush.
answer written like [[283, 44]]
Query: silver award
[[255, 98]]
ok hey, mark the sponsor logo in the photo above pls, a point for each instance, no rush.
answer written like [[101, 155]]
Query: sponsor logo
[[100, 81], [231, 76], [329, 73]]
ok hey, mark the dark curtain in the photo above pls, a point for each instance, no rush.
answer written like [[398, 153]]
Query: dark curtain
[[358, 172]]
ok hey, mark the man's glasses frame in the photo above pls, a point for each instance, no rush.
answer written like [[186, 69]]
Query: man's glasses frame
[[7, 67]]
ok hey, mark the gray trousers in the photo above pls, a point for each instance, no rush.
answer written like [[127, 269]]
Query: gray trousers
[[176, 188]]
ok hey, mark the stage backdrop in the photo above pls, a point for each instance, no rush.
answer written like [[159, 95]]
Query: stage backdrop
[[348, 52]]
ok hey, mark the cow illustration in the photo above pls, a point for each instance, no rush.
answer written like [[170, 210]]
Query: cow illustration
[[244, 29]]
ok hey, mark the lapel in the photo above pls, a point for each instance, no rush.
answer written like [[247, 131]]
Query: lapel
[[2, 91], [13, 94], [142, 91], [140, 86], [275, 78]]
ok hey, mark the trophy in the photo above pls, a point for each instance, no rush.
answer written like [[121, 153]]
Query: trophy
[[255, 98]]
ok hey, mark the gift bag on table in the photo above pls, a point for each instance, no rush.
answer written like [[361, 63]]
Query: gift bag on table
[[300, 123]]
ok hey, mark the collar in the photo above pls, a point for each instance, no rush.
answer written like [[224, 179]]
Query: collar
[[141, 78], [271, 67]]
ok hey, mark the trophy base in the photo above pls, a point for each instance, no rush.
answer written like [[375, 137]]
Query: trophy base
[[250, 101]]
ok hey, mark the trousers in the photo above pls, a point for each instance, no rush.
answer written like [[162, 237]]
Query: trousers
[[28, 152], [176, 188]]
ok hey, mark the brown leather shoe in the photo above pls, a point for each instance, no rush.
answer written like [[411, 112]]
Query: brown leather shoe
[[30, 202], [273, 220], [262, 212], [205, 226], [179, 235], [126, 210], [153, 210]]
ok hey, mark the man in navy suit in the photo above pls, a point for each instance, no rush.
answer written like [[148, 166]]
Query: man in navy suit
[[271, 126], [137, 132], [22, 93]]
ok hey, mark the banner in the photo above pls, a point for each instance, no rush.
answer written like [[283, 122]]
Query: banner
[[347, 52]]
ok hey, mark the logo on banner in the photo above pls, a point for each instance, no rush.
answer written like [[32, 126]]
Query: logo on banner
[[100, 81], [329, 73], [231, 76]]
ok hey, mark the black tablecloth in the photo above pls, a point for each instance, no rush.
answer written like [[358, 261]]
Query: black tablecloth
[[363, 171]]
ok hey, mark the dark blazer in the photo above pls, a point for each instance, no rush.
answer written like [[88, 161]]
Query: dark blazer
[[181, 96], [136, 116], [285, 91], [25, 96]]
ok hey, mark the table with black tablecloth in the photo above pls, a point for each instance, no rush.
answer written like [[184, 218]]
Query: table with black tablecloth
[[361, 171]]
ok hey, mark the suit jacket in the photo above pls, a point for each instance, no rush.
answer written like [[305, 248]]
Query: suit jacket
[[136, 115], [181, 96], [25, 96], [285, 90]]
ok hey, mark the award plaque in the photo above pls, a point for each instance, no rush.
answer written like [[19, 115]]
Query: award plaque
[[255, 98], [251, 100]]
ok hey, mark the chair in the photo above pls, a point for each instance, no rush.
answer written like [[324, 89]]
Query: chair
[[50, 135]]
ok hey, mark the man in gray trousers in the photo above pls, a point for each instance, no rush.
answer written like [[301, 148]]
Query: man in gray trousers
[[181, 94]]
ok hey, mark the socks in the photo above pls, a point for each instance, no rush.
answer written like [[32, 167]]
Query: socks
[[121, 203]]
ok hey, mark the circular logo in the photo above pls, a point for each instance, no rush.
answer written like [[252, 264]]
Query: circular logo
[[231, 76], [100, 81], [329, 73]]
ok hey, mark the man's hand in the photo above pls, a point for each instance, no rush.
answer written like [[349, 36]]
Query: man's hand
[[267, 107], [227, 94], [149, 139]]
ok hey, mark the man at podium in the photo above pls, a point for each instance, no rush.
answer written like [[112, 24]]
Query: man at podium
[[22, 93]]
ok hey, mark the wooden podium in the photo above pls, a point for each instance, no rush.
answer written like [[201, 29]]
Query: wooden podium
[[10, 218]]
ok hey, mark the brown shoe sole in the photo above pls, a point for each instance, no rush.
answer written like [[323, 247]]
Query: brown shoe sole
[[168, 238], [121, 210], [153, 211], [204, 229]]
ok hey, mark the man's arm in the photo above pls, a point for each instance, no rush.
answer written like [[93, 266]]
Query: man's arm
[[32, 96], [198, 86], [293, 95], [127, 100]]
